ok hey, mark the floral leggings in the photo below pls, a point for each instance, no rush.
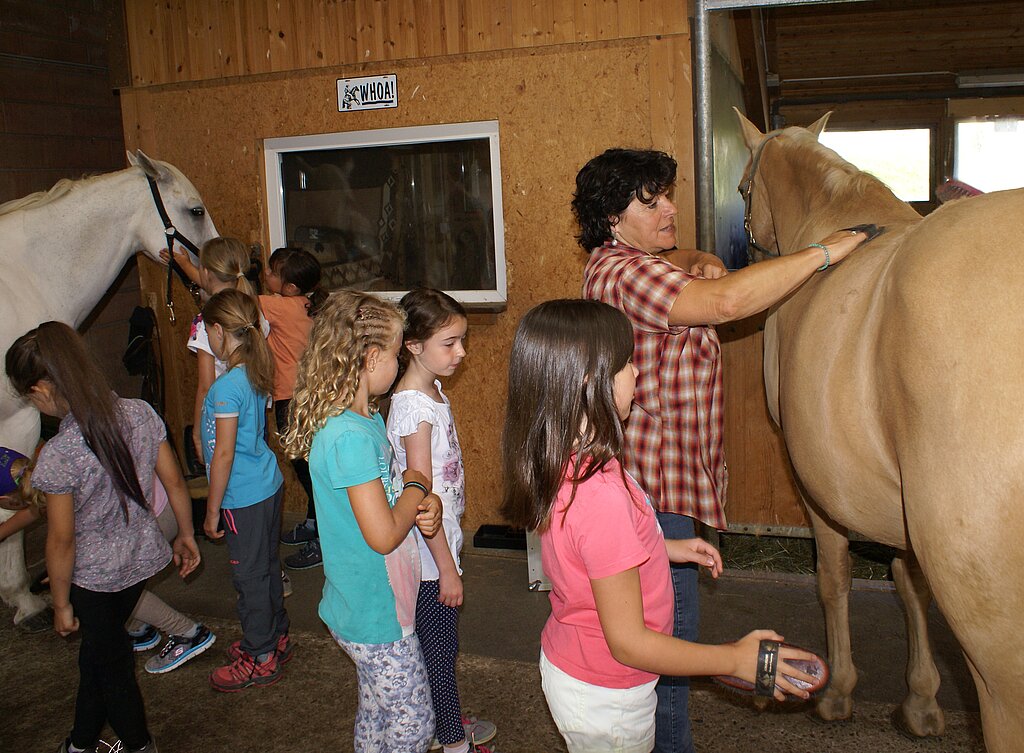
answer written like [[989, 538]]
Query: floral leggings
[[395, 714]]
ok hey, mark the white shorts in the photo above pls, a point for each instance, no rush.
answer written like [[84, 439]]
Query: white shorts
[[592, 718]]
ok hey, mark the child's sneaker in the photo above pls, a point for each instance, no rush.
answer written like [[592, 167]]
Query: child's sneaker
[[145, 639], [307, 557], [245, 672], [286, 584], [179, 650], [284, 649], [477, 731], [300, 534]]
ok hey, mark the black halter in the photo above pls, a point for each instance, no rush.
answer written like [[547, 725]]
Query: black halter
[[747, 191], [172, 235]]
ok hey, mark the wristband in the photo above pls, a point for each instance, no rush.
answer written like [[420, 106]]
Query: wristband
[[828, 259], [416, 485]]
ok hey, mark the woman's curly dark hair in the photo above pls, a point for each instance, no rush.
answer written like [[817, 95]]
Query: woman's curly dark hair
[[610, 181]]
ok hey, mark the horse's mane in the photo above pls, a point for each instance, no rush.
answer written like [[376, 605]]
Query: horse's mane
[[62, 187], [838, 177]]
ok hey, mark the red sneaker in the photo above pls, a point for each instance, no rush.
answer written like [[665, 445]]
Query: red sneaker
[[283, 649], [244, 672]]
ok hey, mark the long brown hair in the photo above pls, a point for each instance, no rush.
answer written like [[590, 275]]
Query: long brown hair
[[239, 316], [561, 374], [54, 352], [347, 326]]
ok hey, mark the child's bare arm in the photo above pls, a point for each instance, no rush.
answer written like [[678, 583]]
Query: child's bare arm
[[186, 553], [60, 559], [620, 608], [206, 375], [220, 471], [419, 458], [384, 527], [21, 520]]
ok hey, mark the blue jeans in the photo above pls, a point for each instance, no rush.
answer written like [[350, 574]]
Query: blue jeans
[[672, 718]]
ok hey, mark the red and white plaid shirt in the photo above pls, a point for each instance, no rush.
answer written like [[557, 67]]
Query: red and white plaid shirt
[[674, 432]]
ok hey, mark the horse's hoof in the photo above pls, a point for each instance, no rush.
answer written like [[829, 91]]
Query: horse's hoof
[[935, 726], [833, 707], [37, 623]]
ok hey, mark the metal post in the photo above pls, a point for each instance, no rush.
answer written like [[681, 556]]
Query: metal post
[[705, 145], [705, 166]]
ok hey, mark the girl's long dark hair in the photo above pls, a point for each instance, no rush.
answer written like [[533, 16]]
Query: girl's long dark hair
[[561, 373], [55, 352]]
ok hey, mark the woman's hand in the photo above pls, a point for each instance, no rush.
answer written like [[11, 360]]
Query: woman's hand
[[64, 620], [211, 524], [428, 519], [842, 243], [186, 554], [695, 550], [449, 589]]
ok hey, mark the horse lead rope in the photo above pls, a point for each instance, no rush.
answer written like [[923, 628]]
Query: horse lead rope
[[172, 235]]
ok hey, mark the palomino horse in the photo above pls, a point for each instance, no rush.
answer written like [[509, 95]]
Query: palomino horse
[[898, 380], [61, 250]]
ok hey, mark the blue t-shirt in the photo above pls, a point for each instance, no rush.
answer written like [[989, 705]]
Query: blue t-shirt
[[254, 472], [368, 597]]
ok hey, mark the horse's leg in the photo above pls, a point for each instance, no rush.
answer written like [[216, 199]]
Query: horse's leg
[[919, 712], [14, 577], [833, 548]]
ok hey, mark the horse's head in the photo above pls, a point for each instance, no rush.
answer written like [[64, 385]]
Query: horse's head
[[184, 207], [758, 219]]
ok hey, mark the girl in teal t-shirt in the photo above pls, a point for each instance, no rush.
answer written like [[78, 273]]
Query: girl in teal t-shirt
[[371, 560]]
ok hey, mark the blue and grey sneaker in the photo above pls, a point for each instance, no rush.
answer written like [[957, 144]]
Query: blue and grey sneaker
[[145, 639], [302, 533], [179, 650], [307, 557]]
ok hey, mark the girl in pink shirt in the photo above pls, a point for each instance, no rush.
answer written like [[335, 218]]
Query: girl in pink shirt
[[571, 384]]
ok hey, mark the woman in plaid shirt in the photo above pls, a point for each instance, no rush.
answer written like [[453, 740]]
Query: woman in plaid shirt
[[674, 432]]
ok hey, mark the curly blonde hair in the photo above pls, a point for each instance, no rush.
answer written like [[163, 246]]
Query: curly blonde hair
[[346, 327]]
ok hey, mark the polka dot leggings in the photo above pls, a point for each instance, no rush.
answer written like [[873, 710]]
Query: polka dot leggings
[[437, 627]]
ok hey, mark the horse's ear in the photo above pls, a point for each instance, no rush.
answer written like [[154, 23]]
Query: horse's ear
[[149, 167], [818, 126], [751, 133]]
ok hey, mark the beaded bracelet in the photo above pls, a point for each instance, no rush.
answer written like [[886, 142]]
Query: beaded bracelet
[[416, 485], [828, 259]]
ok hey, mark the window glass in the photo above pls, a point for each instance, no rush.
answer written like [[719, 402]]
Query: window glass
[[990, 153], [394, 209], [900, 158]]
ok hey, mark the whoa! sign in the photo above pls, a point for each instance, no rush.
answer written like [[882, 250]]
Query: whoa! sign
[[367, 93]]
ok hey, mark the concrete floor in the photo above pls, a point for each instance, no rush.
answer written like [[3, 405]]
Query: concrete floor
[[500, 630]]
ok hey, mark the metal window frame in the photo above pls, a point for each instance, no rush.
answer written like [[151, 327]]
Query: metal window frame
[[705, 201]]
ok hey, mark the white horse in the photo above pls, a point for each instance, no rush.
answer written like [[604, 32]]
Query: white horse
[[61, 249]]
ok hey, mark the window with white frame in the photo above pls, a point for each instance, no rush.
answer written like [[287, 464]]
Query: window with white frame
[[393, 209], [989, 153]]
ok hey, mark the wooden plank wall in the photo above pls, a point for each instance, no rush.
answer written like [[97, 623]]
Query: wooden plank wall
[[191, 40], [887, 46], [557, 105]]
